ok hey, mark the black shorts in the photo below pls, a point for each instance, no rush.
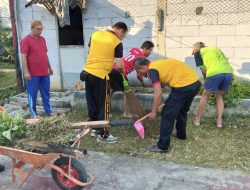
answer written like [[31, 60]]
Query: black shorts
[[116, 81]]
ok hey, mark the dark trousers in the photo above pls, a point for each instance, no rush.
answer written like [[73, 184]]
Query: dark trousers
[[176, 107], [98, 100]]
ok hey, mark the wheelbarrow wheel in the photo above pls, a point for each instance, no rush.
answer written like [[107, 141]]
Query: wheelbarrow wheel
[[77, 171]]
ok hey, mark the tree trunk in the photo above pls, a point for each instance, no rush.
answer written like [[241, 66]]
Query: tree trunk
[[19, 77]]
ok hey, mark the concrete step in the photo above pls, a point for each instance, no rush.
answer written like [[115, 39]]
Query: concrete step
[[54, 102], [60, 103], [58, 99]]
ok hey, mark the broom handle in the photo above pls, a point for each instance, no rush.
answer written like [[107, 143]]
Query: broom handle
[[149, 114]]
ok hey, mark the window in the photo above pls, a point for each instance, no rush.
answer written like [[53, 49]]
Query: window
[[73, 34]]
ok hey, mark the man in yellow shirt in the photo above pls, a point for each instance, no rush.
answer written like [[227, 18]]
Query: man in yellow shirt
[[105, 48], [184, 84]]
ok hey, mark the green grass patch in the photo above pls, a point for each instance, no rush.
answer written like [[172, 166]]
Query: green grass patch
[[206, 146], [4, 65], [7, 85]]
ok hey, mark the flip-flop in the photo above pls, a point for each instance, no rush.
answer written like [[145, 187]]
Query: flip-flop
[[195, 123]]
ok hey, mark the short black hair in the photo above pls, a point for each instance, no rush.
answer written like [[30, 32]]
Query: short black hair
[[121, 25], [147, 45], [141, 61]]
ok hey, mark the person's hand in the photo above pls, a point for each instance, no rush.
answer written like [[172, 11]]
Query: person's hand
[[27, 75], [50, 71], [121, 70], [152, 116]]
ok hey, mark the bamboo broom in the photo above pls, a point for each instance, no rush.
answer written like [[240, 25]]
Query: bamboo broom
[[131, 101]]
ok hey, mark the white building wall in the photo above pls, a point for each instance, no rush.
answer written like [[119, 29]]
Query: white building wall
[[229, 31], [180, 32], [103, 14], [5, 13], [100, 15], [24, 17]]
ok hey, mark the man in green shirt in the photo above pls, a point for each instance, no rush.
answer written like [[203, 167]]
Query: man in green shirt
[[217, 73]]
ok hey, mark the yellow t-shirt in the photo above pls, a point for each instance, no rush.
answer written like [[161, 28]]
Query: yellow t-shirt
[[101, 54], [173, 72]]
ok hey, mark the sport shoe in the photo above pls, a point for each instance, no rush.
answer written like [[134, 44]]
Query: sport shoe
[[109, 140], [154, 148], [94, 133], [1, 168]]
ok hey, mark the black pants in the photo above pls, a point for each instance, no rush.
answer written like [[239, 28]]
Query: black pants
[[176, 108], [116, 81], [98, 100]]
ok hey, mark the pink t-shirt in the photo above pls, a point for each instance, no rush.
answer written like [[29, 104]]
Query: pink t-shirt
[[129, 59], [36, 50]]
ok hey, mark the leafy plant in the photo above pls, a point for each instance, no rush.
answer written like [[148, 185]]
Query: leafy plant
[[10, 128], [6, 47]]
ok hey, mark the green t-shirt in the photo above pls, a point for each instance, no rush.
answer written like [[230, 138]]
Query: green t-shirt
[[214, 61]]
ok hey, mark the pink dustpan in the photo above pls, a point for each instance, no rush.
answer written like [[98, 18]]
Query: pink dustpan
[[139, 128]]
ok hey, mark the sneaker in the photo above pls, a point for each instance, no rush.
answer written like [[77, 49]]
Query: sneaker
[[52, 115], [154, 148], [109, 140], [1, 168], [94, 132]]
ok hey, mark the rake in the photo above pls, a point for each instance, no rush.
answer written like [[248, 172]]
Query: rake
[[131, 101]]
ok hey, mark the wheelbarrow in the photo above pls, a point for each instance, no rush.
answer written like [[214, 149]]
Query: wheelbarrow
[[67, 172]]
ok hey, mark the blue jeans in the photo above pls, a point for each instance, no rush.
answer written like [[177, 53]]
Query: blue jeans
[[176, 107], [41, 83]]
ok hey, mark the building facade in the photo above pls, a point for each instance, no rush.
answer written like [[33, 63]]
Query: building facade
[[173, 25]]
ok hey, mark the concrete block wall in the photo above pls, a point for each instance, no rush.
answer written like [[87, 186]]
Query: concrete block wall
[[5, 13], [101, 15], [228, 31], [50, 33]]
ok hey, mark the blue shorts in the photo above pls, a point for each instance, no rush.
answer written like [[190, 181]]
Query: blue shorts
[[220, 82]]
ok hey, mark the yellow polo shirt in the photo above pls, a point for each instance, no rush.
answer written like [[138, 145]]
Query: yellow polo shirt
[[173, 72], [101, 54]]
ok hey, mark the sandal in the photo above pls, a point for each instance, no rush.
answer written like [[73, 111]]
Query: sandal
[[195, 122], [218, 125]]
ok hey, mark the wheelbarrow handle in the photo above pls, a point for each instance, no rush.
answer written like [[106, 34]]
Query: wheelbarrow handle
[[139, 120]]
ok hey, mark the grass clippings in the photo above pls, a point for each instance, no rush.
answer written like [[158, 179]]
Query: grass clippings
[[206, 146], [48, 132]]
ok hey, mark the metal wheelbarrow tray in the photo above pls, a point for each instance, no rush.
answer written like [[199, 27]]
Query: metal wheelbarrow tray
[[67, 172]]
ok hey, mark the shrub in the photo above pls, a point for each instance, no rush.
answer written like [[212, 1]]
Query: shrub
[[6, 47]]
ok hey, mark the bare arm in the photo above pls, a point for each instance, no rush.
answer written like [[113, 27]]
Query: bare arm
[[49, 66], [25, 67], [204, 72], [119, 64], [157, 101], [157, 97]]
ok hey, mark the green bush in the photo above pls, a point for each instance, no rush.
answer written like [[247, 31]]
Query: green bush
[[6, 47]]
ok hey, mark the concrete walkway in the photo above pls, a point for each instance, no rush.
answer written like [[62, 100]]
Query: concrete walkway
[[118, 172]]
